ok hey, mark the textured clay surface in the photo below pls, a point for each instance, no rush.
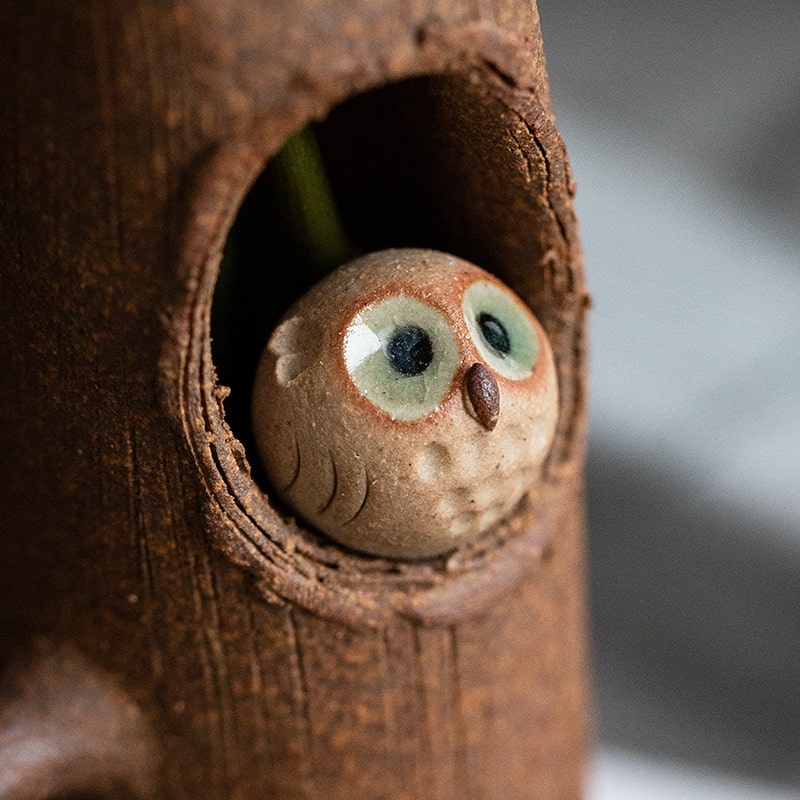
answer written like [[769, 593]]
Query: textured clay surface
[[266, 660], [358, 469]]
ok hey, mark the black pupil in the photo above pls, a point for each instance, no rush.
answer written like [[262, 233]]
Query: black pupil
[[410, 351], [495, 333]]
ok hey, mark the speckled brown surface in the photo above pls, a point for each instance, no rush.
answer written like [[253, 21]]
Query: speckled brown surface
[[408, 488], [266, 661]]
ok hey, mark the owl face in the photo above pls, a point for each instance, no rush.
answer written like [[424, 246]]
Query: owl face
[[405, 404]]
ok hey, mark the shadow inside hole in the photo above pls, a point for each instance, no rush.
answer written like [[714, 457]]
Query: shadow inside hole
[[422, 163]]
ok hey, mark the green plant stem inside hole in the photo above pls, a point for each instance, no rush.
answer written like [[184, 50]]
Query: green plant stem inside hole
[[287, 235]]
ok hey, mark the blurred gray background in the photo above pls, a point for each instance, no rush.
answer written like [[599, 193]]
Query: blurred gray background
[[682, 122]]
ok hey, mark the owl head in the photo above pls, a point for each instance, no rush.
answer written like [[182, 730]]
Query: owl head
[[405, 403]]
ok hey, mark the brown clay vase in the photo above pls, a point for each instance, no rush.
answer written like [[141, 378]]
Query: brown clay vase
[[167, 629]]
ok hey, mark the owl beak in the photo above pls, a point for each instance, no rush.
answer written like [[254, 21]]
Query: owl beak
[[483, 392]]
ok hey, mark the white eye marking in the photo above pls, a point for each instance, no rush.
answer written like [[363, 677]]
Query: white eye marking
[[360, 343]]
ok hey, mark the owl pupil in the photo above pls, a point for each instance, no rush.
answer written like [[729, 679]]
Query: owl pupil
[[495, 334], [409, 350]]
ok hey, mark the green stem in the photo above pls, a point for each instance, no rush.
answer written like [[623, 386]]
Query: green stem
[[288, 224], [315, 227]]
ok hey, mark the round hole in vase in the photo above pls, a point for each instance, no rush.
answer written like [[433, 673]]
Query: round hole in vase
[[448, 162]]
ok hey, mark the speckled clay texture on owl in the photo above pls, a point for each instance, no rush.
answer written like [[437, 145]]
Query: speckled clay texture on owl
[[371, 479]]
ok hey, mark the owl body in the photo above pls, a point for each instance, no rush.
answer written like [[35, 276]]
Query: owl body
[[365, 419]]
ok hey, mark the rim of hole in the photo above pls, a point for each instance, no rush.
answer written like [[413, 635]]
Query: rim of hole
[[288, 561]]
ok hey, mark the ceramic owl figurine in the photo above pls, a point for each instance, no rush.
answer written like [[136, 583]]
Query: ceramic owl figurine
[[405, 403]]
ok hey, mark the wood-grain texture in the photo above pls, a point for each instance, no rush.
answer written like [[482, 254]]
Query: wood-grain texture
[[265, 661]]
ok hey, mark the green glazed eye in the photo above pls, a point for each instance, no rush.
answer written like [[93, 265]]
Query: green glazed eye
[[402, 355], [501, 329]]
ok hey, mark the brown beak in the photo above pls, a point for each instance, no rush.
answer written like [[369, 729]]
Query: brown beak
[[484, 395]]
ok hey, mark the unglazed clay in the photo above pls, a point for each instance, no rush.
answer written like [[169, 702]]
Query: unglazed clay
[[405, 403], [266, 661]]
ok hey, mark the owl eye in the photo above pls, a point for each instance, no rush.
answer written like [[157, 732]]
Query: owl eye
[[409, 350], [402, 355], [501, 329], [494, 333]]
